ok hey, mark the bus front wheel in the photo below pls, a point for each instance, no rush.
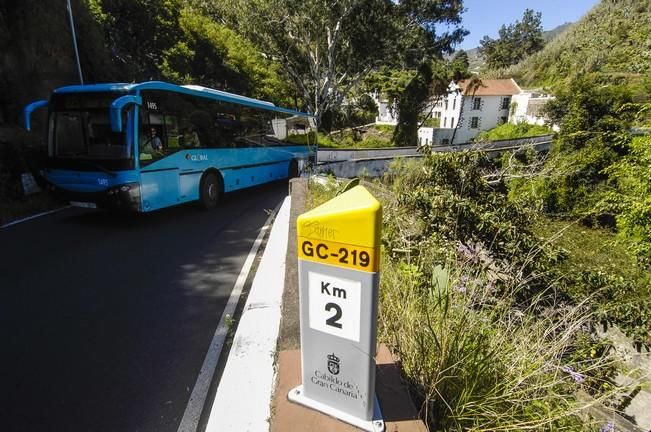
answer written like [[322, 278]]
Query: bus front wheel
[[209, 191]]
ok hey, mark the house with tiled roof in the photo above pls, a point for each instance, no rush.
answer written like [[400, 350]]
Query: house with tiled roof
[[469, 107]]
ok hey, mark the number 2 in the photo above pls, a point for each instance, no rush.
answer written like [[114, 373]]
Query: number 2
[[332, 321]]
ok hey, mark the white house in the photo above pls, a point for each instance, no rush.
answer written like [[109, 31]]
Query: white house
[[467, 110], [527, 107]]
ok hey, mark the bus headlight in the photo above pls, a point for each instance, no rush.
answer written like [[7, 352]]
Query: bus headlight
[[125, 196]]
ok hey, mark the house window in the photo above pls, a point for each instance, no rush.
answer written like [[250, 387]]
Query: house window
[[445, 122], [452, 122], [476, 103], [454, 103], [474, 123], [505, 103], [446, 104]]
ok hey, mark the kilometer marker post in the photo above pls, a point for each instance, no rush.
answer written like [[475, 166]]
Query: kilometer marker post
[[338, 267]]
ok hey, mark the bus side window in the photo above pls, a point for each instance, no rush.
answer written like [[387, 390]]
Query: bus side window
[[172, 133], [227, 125]]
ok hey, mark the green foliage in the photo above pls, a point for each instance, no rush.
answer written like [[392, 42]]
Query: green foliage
[[372, 138], [474, 304], [611, 40], [385, 129], [464, 304], [138, 33], [596, 264], [460, 66], [360, 110], [515, 41], [587, 110], [512, 131], [215, 56], [593, 135], [411, 104], [453, 202], [478, 362], [328, 48], [570, 183], [630, 198], [182, 45]]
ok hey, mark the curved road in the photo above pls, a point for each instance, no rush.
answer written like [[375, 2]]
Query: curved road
[[105, 319]]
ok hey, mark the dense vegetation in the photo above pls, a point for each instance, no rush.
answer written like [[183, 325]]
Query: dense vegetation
[[472, 305], [611, 40]]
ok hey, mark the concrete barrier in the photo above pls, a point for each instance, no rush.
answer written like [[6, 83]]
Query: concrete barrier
[[350, 163], [334, 155]]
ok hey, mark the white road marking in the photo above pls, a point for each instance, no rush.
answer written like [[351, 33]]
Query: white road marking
[[243, 399], [16, 222], [190, 420]]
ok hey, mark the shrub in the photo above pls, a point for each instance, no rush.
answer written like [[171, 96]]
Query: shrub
[[476, 360], [469, 305], [512, 131], [630, 197]]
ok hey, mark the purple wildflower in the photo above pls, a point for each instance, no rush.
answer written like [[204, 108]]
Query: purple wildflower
[[608, 427], [467, 251], [576, 376], [461, 286]]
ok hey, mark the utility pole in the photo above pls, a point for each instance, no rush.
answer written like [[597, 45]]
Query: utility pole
[[74, 42]]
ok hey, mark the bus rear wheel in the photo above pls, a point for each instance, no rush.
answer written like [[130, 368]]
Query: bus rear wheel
[[210, 191]]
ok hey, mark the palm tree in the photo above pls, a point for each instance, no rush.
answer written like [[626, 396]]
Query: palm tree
[[474, 83]]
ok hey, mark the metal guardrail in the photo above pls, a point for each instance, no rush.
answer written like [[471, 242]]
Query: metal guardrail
[[341, 155]]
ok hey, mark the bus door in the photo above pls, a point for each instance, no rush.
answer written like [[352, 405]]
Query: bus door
[[159, 168]]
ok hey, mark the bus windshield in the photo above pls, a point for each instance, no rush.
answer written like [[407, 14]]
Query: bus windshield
[[80, 128]]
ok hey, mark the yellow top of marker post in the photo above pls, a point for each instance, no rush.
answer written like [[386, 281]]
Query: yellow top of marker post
[[349, 226]]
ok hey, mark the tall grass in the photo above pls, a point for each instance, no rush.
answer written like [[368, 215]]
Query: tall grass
[[476, 360]]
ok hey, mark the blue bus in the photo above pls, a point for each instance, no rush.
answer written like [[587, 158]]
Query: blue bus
[[151, 145]]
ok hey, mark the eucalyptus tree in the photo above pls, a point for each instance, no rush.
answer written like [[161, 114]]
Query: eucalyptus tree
[[327, 47]]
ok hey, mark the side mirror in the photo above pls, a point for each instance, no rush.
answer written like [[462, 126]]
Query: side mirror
[[116, 110], [29, 109]]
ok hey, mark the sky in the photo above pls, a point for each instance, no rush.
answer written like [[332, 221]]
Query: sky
[[485, 17]]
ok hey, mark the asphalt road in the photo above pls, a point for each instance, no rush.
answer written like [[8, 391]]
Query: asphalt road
[[105, 319]]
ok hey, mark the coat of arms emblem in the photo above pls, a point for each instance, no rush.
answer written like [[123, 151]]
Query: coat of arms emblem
[[333, 364]]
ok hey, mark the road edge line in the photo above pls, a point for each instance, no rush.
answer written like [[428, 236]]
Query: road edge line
[[194, 408], [28, 218], [243, 398]]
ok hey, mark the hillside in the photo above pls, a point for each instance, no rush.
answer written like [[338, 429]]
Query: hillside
[[611, 40], [477, 62], [32, 64]]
